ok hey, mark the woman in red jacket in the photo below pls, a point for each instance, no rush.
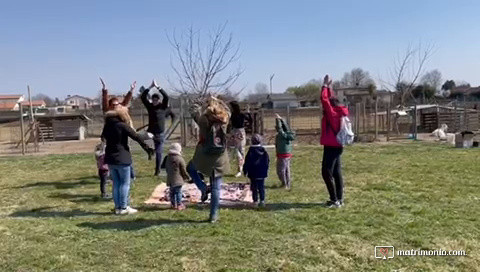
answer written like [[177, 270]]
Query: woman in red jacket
[[332, 150]]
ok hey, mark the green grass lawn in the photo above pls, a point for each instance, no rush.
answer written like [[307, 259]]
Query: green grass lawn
[[415, 196]]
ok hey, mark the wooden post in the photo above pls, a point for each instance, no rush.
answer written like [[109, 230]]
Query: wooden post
[[288, 117], [22, 129], [32, 121], [465, 114], [455, 113], [389, 112], [376, 118], [415, 121], [262, 122], [183, 133], [357, 118], [364, 118]]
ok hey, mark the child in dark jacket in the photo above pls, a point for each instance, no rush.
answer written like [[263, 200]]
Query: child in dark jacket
[[256, 169], [102, 168], [176, 175]]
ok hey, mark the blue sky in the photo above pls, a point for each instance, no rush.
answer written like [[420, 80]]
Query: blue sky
[[61, 47]]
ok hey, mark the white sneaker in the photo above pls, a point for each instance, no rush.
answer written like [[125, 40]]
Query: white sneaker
[[131, 210], [239, 174], [128, 210]]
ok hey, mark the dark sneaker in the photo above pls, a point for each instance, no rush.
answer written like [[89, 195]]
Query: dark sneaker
[[106, 196], [261, 204], [204, 196], [332, 204]]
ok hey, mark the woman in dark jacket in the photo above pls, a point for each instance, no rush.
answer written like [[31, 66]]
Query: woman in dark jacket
[[117, 155]]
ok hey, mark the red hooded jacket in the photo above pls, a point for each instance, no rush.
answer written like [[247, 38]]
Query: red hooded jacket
[[331, 119]]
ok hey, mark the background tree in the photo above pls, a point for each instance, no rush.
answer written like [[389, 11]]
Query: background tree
[[310, 89], [448, 85], [202, 68], [432, 79], [261, 88], [48, 101], [356, 78], [407, 69], [423, 92], [58, 102]]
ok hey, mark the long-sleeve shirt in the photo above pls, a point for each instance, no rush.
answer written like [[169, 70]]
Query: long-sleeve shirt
[[331, 119], [157, 113]]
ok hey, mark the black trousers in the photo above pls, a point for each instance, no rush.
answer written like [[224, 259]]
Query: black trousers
[[103, 174], [332, 172]]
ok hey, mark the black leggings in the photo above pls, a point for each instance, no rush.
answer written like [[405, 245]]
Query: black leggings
[[103, 174], [332, 172]]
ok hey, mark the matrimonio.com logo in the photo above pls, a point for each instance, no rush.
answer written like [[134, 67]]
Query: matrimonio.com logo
[[384, 252], [388, 252]]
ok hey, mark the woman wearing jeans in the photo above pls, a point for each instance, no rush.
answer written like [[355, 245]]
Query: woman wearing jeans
[[212, 165], [117, 155], [332, 150]]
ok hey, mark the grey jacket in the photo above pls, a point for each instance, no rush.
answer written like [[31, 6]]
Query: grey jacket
[[176, 170]]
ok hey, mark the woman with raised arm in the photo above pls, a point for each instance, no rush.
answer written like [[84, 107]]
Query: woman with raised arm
[[237, 135], [211, 155], [110, 104], [157, 113], [116, 132], [333, 112]]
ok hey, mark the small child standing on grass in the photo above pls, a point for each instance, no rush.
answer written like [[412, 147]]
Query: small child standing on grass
[[256, 169], [176, 175], [102, 168], [284, 148]]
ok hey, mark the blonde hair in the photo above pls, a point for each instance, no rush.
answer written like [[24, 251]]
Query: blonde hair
[[217, 110], [122, 112]]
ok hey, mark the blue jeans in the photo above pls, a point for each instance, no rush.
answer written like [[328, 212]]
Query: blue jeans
[[197, 178], [176, 195], [258, 188], [158, 140], [121, 184], [216, 184]]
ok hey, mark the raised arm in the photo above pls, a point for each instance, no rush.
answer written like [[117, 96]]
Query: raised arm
[[129, 95], [195, 111], [104, 96], [283, 129], [143, 97], [165, 98], [326, 94]]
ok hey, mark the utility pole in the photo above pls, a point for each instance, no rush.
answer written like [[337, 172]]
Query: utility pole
[[271, 78]]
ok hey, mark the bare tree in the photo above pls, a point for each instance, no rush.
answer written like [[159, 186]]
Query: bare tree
[[433, 79], [204, 69], [261, 88], [407, 69]]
